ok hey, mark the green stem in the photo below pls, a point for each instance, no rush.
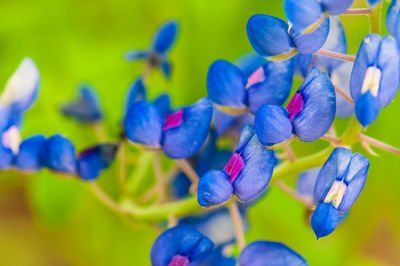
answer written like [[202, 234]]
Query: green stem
[[350, 136], [138, 176], [375, 19]]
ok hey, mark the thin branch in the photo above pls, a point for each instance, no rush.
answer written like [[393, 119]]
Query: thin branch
[[368, 148], [104, 198], [344, 95], [121, 156], [335, 55], [358, 11], [188, 170], [306, 201], [330, 138], [379, 144], [289, 152], [237, 223]]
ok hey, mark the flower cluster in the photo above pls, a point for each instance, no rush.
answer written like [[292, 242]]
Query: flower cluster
[[205, 198]]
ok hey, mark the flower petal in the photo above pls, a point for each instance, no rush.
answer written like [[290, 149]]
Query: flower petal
[[28, 157], [268, 35], [318, 112], [336, 7], [250, 62], [136, 92], [22, 87], [214, 188], [324, 219], [6, 157], [340, 78], [306, 182], [272, 124], [163, 104], [302, 13], [226, 84], [95, 159], [302, 64], [135, 55], [393, 19], [143, 124], [58, 154], [165, 36], [268, 91], [268, 253], [183, 141], [367, 108], [309, 43]]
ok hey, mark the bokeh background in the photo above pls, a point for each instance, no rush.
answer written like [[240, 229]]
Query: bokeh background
[[45, 220]]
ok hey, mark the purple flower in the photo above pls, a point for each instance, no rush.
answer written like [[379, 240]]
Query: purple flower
[[28, 157], [271, 37], [86, 109], [157, 54], [375, 78], [246, 174], [233, 92], [309, 114], [268, 253], [180, 246], [179, 134], [393, 19], [338, 185], [92, 161], [306, 15]]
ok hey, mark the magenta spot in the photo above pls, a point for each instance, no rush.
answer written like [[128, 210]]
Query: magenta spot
[[256, 77], [295, 105], [174, 120], [179, 260], [234, 166]]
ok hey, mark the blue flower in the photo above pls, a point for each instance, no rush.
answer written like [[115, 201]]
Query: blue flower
[[180, 134], [157, 54], [229, 124], [340, 78], [393, 19], [58, 154], [306, 15], [136, 92], [250, 62], [306, 182], [95, 159], [181, 245], [375, 78], [373, 2], [268, 253], [28, 157], [270, 37], [19, 94], [309, 114], [233, 92], [86, 109], [338, 185], [246, 174]]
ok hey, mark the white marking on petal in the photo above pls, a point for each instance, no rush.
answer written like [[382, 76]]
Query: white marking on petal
[[22, 85], [11, 139], [256, 77], [372, 80], [336, 193]]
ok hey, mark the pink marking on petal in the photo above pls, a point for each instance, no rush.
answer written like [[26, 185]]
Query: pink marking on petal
[[174, 120], [179, 260], [11, 139], [234, 166], [256, 77], [295, 105]]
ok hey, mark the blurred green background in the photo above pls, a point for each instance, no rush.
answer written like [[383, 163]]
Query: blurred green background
[[45, 220]]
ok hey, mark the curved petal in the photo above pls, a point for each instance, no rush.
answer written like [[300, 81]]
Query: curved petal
[[388, 62], [365, 58], [259, 163], [136, 55], [272, 124], [179, 240], [163, 104], [165, 36], [166, 68], [268, 253], [214, 188], [186, 139], [335, 42], [269, 91], [302, 13], [309, 43], [393, 19], [336, 7], [306, 182], [250, 62], [86, 108], [373, 2], [58, 154], [22, 87], [319, 107], [334, 168], [143, 124], [355, 179], [268, 35], [226, 84], [95, 159], [136, 92], [367, 108], [28, 157], [302, 64], [324, 219], [6, 157], [340, 78]]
